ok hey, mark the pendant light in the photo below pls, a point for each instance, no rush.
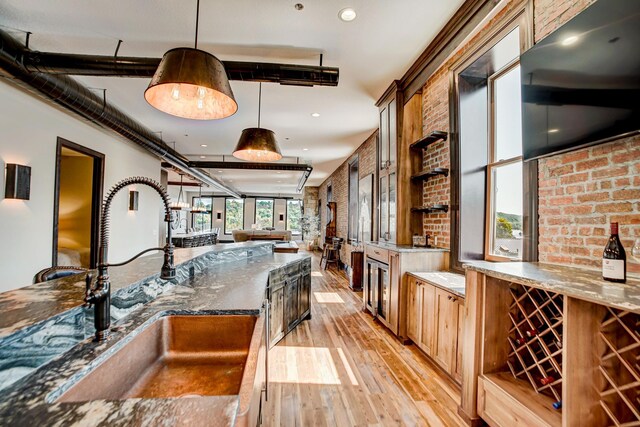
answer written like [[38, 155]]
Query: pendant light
[[258, 144], [199, 207], [179, 205], [191, 83]]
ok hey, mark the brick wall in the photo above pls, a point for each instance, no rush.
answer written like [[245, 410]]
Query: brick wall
[[339, 181], [580, 193]]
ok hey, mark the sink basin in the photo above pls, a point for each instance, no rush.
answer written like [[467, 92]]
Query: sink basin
[[180, 357]]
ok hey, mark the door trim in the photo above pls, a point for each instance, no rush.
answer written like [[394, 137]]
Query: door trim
[[96, 202]]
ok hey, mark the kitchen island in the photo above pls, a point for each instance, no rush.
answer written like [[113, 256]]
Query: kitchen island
[[204, 286]]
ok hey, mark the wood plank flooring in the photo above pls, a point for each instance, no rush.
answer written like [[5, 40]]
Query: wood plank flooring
[[341, 368]]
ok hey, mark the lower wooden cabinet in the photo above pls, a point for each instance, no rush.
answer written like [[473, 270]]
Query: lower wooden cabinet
[[434, 324], [289, 294]]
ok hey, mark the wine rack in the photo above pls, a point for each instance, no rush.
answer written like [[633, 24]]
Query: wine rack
[[620, 367], [535, 339]]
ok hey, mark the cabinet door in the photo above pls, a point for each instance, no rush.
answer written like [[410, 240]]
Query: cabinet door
[[457, 370], [291, 303], [395, 279], [413, 310], [276, 316], [305, 295], [384, 292], [370, 283], [383, 188], [428, 312], [447, 330], [384, 137], [393, 133], [392, 208]]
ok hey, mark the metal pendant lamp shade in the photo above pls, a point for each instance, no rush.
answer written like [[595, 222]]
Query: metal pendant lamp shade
[[257, 144], [193, 84]]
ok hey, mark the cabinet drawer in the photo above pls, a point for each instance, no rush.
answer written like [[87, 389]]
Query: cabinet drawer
[[499, 409], [378, 254], [292, 270]]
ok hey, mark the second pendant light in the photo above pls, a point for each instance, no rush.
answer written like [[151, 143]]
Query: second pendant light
[[258, 144]]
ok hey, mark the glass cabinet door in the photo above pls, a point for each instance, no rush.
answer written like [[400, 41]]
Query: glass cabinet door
[[384, 137], [384, 208], [392, 207], [393, 134], [372, 283], [384, 294]]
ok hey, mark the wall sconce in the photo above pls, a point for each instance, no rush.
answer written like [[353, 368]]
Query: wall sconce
[[281, 217], [219, 215], [18, 182], [133, 200]]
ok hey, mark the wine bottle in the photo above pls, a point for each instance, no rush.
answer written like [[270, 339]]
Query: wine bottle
[[557, 405], [614, 259], [547, 380]]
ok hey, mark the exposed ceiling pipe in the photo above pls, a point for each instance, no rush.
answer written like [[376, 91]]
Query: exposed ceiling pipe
[[272, 166], [114, 66], [75, 97]]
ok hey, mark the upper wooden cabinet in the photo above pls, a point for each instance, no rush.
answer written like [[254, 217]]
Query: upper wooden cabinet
[[400, 125]]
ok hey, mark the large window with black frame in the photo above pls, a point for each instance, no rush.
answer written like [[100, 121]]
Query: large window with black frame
[[294, 216], [201, 218], [233, 215], [264, 213]]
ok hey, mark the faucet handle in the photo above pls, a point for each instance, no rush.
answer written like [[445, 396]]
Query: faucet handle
[[87, 294]]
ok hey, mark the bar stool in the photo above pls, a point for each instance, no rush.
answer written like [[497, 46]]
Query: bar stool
[[331, 252]]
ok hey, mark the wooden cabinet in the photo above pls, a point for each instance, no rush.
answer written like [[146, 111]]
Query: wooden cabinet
[[400, 124], [276, 316], [289, 294], [435, 324], [385, 292]]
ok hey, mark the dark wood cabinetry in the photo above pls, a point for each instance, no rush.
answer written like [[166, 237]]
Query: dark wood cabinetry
[[289, 294]]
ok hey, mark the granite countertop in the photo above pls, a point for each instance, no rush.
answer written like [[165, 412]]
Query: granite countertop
[[38, 302], [236, 287], [578, 283], [405, 248], [451, 282]]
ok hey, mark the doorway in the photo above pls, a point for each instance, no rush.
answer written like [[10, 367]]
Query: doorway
[[77, 204]]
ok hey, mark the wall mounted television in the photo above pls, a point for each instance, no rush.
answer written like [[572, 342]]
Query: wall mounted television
[[581, 84]]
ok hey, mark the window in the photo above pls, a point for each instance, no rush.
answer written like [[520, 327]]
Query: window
[[353, 201], [201, 221], [264, 213], [504, 171], [233, 215], [294, 216]]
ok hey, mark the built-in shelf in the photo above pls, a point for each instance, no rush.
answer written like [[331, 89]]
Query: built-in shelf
[[425, 175], [431, 209], [435, 136]]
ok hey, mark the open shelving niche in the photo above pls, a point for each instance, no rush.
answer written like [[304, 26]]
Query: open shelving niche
[[425, 175]]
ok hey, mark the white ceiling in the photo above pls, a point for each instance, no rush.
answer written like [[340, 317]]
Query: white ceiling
[[371, 51]]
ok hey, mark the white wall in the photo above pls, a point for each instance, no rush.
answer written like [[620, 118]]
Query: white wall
[[280, 208], [29, 129]]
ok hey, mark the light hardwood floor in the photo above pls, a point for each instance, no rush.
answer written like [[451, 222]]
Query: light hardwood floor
[[341, 368]]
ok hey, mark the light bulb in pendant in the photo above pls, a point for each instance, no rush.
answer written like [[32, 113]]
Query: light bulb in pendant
[[201, 92], [175, 92]]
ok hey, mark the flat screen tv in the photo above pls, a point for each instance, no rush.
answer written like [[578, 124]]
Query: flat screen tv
[[581, 84]]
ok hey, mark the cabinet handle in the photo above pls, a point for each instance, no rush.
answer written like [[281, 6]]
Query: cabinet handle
[[454, 299], [449, 297]]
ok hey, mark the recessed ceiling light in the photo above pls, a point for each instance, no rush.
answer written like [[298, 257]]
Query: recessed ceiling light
[[279, 181], [305, 149], [347, 14], [315, 114], [203, 145], [553, 130], [569, 40], [219, 171], [278, 172], [203, 157]]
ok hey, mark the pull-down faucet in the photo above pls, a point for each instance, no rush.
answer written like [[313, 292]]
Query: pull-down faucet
[[100, 295]]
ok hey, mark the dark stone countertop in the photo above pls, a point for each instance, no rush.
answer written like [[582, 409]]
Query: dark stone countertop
[[574, 282], [236, 287], [35, 303]]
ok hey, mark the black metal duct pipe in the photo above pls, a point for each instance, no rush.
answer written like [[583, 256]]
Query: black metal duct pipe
[[73, 96], [112, 66]]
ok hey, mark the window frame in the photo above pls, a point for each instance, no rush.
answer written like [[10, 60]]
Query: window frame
[[494, 164], [520, 16], [286, 215], [273, 210], [225, 214], [208, 211]]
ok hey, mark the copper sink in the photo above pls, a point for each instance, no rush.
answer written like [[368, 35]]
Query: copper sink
[[180, 356]]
